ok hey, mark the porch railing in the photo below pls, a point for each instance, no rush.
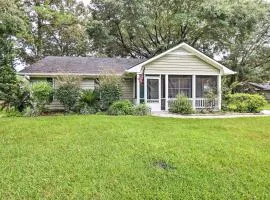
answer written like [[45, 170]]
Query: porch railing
[[201, 103]]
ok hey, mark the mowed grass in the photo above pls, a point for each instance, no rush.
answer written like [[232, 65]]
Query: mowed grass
[[102, 157]]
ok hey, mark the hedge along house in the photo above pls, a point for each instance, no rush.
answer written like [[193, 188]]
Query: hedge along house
[[155, 82]]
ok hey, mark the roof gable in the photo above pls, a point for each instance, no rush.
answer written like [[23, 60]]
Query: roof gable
[[183, 49]]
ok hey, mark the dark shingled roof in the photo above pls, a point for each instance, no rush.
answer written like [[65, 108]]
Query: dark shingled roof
[[262, 86], [80, 65]]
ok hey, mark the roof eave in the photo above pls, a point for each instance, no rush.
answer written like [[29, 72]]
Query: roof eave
[[61, 74]]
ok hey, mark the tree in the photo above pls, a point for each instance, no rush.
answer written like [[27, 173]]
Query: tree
[[12, 29], [237, 32], [57, 29]]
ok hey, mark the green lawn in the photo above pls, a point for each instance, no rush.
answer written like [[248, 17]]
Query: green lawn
[[267, 107], [102, 157]]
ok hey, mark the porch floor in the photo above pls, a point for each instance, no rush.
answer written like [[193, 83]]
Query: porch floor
[[209, 116]]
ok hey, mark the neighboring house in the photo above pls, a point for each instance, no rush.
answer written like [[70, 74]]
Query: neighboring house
[[262, 88], [155, 82]]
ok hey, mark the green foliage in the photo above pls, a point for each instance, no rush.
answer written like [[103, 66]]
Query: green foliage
[[88, 97], [41, 94], [121, 107], [68, 92], [141, 109], [241, 102], [109, 90], [237, 32], [88, 102], [86, 110], [8, 82], [57, 28], [10, 112], [12, 29], [31, 112], [210, 96], [19, 96], [181, 105]]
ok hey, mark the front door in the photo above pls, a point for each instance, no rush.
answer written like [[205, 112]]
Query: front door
[[153, 93]]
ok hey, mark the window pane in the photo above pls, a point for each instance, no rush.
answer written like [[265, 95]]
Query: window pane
[[173, 93], [180, 84], [173, 83], [185, 83], [205, 84]]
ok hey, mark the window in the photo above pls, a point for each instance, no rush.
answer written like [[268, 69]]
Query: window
[[50, 81], [205, 84], [180, 85]]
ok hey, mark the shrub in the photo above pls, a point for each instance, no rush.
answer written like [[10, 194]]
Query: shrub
[[31, 112], [141, 109], [86, 110], [42, 93], [242, 102], [87, 102], [88, 97], [181, 105], [68, 92], [19, 98], [122, 107], [210, 96], [109, 90], [11, 112]]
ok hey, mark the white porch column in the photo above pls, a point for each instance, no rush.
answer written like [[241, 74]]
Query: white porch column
[[138, 88], [166, 92], [194, 91], [145, 88], [219, 91]]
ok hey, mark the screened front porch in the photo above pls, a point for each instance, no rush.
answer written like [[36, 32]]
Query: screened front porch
[[158, 91]]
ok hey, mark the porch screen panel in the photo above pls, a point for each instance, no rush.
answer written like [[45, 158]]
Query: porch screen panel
[[179, 85], [152, 89], [205, 84]]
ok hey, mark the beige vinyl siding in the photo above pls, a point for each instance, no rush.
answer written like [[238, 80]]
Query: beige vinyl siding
[[180, 62], [267, 95], [88, 84], [128, 89]]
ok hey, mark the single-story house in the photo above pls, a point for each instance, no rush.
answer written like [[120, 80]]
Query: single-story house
[[155, 81], [262, 88]]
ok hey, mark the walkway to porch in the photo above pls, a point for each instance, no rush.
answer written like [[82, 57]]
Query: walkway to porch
[[209, 116]]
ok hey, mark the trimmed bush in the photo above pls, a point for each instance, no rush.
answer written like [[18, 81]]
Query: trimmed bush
[[122, 107], [109, 90], [181, 105], [242, 102], [142, 109], [68, 93], [42, 93]]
